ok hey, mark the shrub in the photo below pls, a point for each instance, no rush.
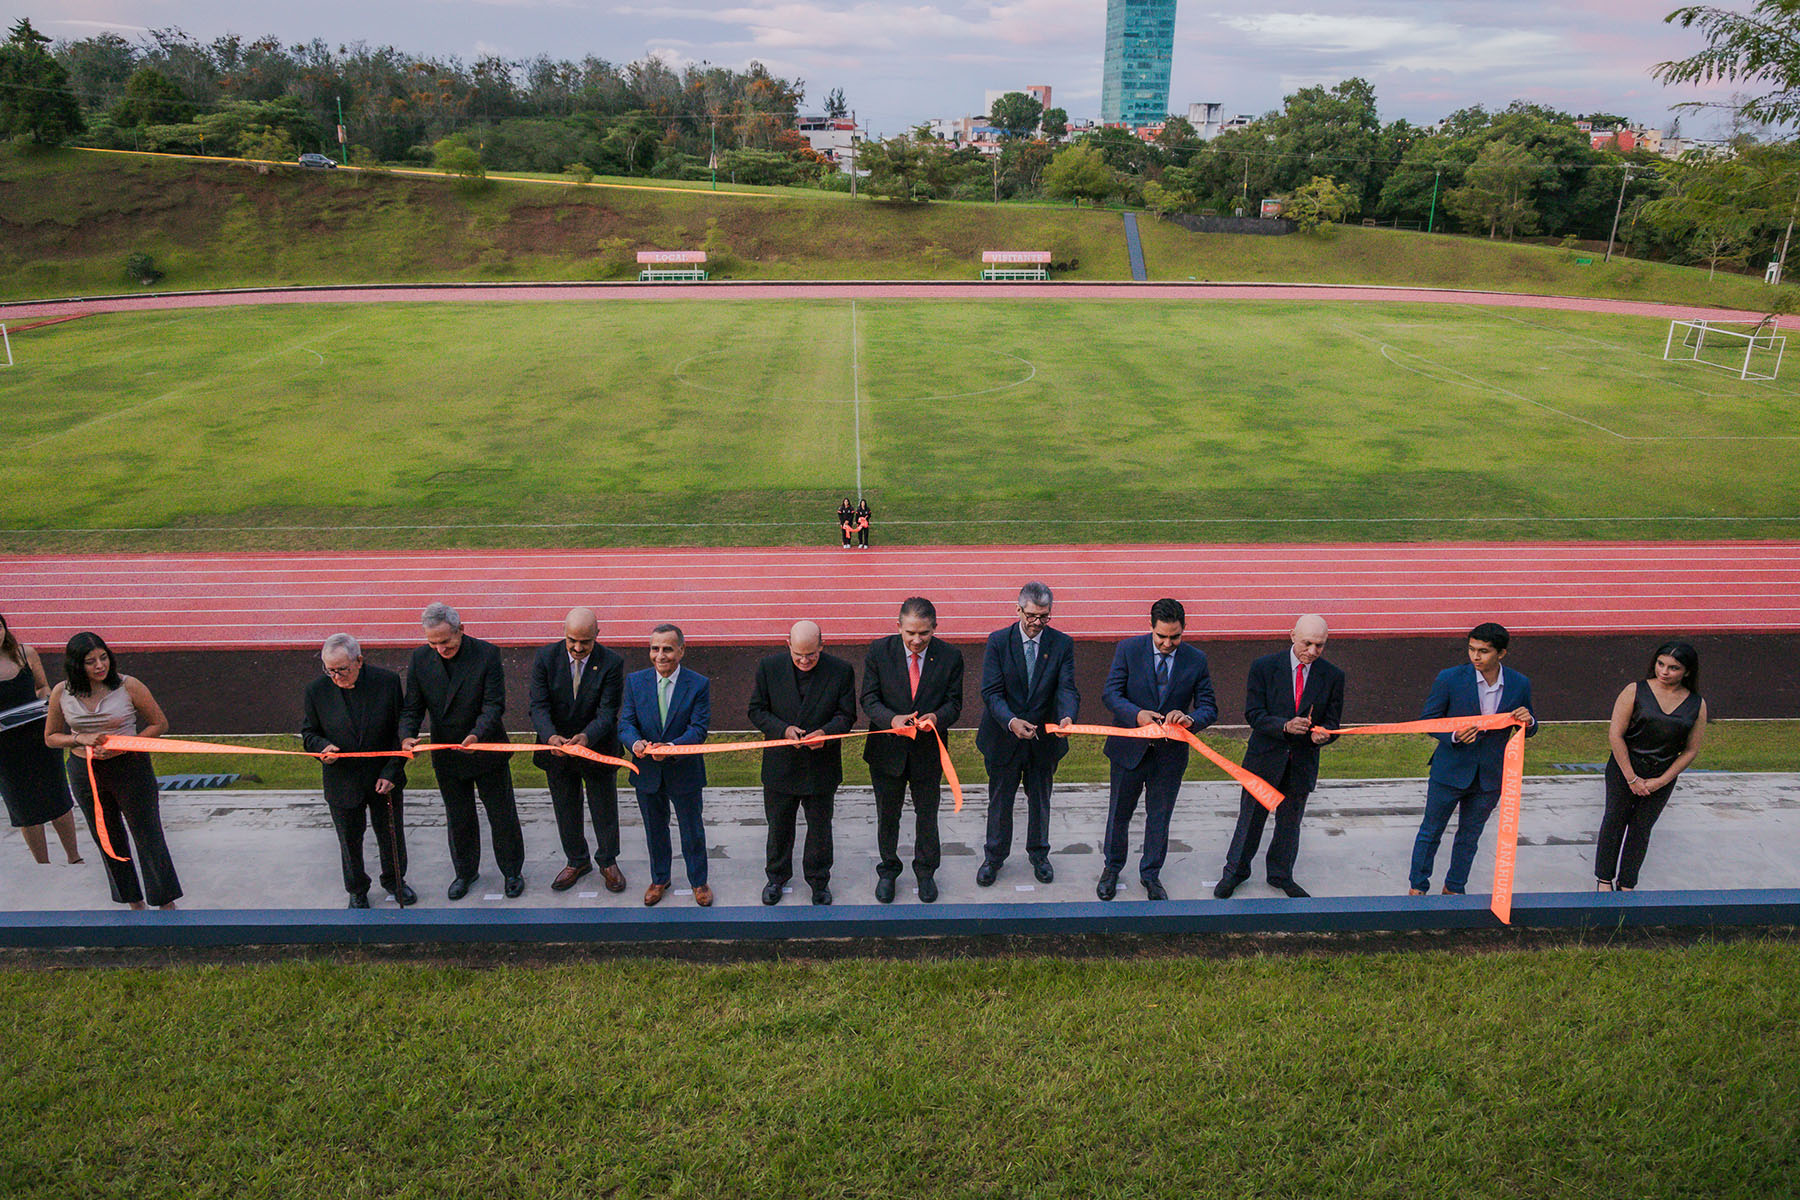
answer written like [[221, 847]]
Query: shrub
[[141, 268]]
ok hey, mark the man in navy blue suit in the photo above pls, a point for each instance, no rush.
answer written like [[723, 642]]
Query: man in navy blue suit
[[1466, 766], [667, 705], [1289, 693], [1154, 678], [1027, 688]]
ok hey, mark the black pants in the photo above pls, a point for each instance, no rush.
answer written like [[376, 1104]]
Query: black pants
[[781, 808], [1625, 830], [567, 783], [386, 813], [1284, 848], [496, 789], [925, 779], [862, 537], [1157, 777], [132, 809], [1003, 790]]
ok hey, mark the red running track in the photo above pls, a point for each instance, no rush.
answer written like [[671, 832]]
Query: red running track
[[228, 601], [863, 290]]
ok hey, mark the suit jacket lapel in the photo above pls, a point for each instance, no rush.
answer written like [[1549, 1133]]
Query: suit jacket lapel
[[445, 680]]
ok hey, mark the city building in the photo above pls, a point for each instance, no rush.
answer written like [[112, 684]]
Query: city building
[[830, 136], [1140, 45], [1207, 118]]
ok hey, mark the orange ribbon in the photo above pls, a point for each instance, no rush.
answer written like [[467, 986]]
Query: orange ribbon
[[1265, 794], [670, 750], [1512, 789]]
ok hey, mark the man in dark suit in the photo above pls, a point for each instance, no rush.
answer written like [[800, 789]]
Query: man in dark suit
[[1290, 693], [669, 705], [576, 684], [910, 678], [1466, 766], [800, 693], [1154, 678], [1027, 687], [352, 708], [459, 682]]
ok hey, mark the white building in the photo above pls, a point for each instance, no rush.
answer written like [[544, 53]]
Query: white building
[[831, 136]]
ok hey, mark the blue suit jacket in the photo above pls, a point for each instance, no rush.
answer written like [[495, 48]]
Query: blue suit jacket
[[1050, 698], [1131, 686], [690, 711], [1480, 762]]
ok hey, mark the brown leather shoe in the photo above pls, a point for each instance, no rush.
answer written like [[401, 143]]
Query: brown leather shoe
[[613, 878], [703, 896], [654, 892], [1414, 892], [565, 878]]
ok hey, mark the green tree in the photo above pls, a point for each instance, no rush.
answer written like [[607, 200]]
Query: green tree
[[35, 100], [1055, 123], [151, 98], [836, 107], [1161, 199], [1016, 114], [1497, 190], [455, 156], [1318, 203], [1078, 173], [1760, 48], [1334, 129]]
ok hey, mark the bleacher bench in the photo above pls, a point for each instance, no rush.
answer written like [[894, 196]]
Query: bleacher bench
[[671, 266], [1015, 266]]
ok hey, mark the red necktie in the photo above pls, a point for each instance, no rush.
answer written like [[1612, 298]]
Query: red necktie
[[912, 669], [1299, 685]]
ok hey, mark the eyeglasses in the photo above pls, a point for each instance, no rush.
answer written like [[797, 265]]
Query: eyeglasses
[[342, 672], [1031, 618]]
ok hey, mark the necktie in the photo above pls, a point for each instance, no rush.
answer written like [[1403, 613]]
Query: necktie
[[575, 665], [1299, 685], [1030, 660], [1162, 677], [912, 669], [663, 683]]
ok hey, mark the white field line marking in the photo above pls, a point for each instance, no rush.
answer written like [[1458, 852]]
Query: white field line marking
[[856, 400], [1629, 349]]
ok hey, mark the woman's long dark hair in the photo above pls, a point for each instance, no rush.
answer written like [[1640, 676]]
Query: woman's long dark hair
[[75, 657], [9, 646], [1684, 654]]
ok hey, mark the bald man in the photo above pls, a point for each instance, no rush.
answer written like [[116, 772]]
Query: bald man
[[801, 692], [1292, 694], [575, 688]]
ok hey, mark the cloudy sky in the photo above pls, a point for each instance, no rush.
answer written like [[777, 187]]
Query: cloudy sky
[[903, 61]]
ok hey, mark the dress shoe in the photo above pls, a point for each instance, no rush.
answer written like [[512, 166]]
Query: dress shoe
[[1044, 871], [1154, 890], [1294, 890], [1448, 892], [821, 895], [653, 893], [613, 878], [1108, 887], [459, 887], [928, 889], [986, 874], [565, 878], [1223, 889], [1414, 892], [515, 886], [359, 900], [703, 896], [771, 893], [884, 890], [405, 896]]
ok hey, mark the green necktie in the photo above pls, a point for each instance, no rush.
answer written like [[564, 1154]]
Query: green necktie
[[663, 684]]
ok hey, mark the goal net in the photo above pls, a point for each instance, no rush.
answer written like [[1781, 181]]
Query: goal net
[[1747, 349]]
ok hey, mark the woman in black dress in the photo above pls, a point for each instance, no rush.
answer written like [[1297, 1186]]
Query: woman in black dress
[[862, 524], [1657, 727], [31, 774]]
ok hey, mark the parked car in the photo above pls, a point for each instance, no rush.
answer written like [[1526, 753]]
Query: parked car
[[321, 161]]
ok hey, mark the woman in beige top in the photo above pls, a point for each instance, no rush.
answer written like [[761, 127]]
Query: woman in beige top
[[94, 701]]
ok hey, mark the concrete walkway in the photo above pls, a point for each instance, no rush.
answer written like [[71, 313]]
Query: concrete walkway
[[259, 849]]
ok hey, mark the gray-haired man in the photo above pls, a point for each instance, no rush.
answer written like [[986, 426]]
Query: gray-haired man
[[459, 682]]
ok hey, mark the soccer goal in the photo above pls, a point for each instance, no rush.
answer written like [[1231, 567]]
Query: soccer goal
[[1749, 350]]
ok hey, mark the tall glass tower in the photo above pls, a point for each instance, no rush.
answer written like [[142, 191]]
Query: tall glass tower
[[1140, 42]]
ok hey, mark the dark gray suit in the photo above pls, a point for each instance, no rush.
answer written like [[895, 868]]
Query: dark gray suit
[[1048, 697], [560, 709], [896, 763]]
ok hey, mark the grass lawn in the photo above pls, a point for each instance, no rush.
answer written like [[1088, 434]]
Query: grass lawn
[[1730, 746], [1572, 1072], [74, 216], [731, 422]]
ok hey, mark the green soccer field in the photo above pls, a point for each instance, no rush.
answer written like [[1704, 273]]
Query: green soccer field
[[742, 422]]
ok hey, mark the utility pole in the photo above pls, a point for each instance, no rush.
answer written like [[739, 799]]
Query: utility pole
[[1437, 175], [853, 154], [713, 123], [343, 154], [1616, 212]]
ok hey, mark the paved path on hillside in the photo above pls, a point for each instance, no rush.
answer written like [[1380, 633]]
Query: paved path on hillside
[[866, 290], [276, 849], [751, 595]]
